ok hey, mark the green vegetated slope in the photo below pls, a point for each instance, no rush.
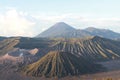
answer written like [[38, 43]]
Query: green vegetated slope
[[60, 64]]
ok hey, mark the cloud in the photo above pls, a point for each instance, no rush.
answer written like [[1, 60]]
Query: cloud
[[80, 21], [19, 23], [14, 23]]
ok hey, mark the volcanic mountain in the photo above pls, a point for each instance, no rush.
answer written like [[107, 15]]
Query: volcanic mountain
[[60, 64], [59, 29], [106, 33], [93, 48], [63, 30]]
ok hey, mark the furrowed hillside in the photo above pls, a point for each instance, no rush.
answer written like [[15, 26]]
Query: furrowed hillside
[[60, 64], [94, 48]]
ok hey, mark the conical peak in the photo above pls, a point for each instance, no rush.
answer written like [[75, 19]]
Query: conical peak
[[60, 64], [62, 25]]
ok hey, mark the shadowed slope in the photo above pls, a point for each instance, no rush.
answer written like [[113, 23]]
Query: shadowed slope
[[60, 64]]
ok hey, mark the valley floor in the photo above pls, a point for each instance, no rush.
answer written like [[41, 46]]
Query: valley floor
[[8, 72], [114, 75]]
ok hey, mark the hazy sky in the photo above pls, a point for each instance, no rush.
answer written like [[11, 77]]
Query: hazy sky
[[30, 17]]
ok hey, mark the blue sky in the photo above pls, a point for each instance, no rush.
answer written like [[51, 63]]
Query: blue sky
[[19, 16]]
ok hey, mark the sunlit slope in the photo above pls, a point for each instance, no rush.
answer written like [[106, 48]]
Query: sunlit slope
[[96, 48], [60, 64], [8, 45], [93, 47]]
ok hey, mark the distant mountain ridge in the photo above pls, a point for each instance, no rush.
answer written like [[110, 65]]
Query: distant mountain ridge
[[2, 38], [63, 30]]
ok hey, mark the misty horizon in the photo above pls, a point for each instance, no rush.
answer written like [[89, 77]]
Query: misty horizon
[[29, 18]]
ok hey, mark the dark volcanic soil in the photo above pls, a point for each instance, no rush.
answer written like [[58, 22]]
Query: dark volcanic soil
[[9, 72]]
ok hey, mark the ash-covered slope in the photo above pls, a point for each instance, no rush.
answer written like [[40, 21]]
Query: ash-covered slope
[[96, 48], [60, 64], [7, 45]]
